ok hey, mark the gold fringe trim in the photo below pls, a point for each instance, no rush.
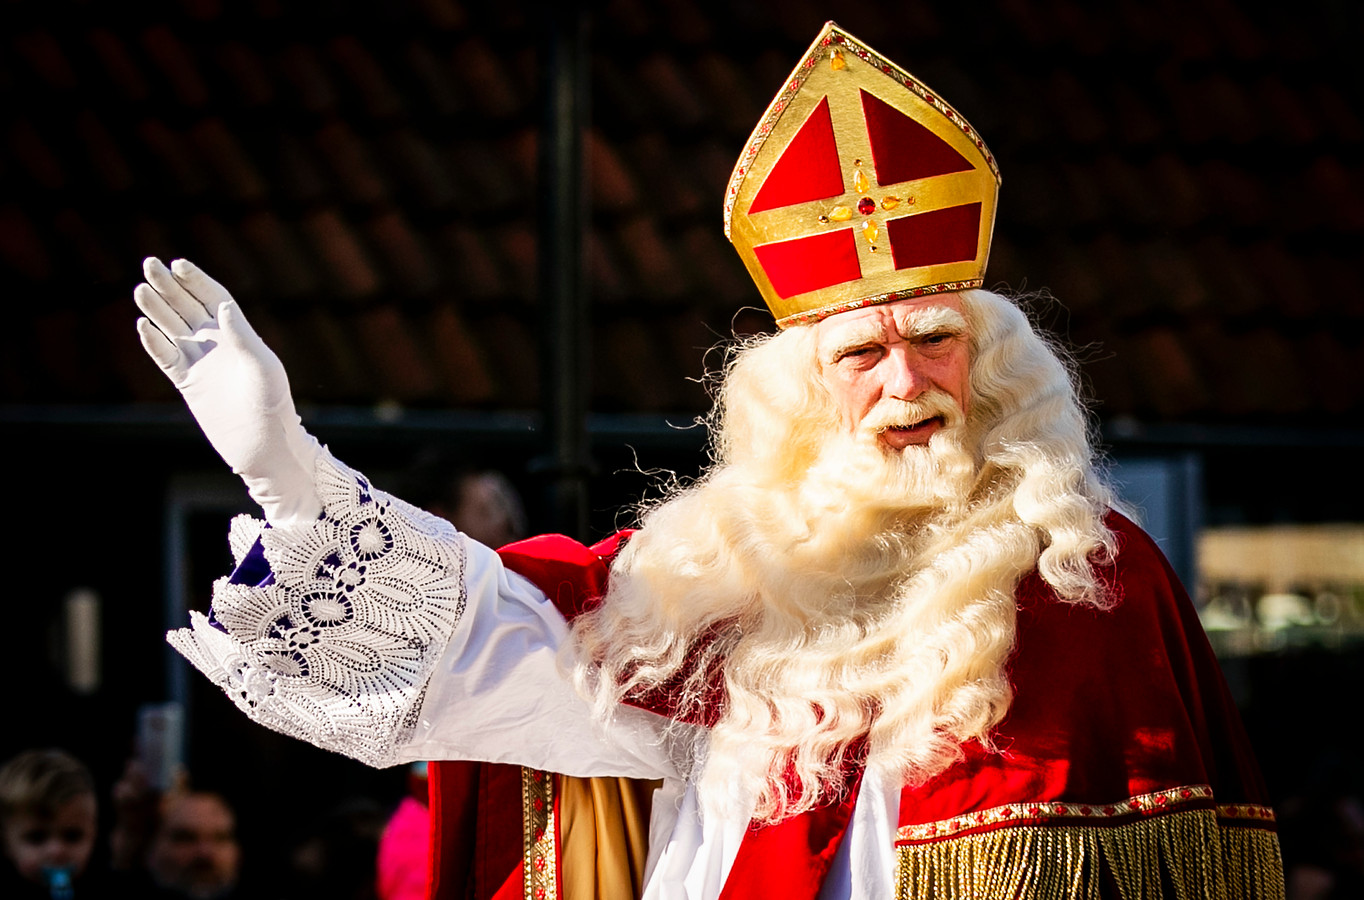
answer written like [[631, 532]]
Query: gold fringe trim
[[539, 866], [1186, 854]]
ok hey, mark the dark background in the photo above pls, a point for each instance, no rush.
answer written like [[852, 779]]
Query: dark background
[[1186, 179]]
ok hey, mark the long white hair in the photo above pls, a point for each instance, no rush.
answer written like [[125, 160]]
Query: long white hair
[[834, 599]]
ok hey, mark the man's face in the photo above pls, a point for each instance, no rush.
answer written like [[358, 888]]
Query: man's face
[[914, 350], [483, 512], [62, 840], [195, 850]]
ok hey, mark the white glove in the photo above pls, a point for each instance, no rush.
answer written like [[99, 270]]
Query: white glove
[[234, 385]]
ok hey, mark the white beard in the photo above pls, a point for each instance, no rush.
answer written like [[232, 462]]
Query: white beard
[[846, 591], [858, 471]]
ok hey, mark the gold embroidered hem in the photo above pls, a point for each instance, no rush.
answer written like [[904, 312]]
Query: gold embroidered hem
[[540, 865], [1182, 853], [1194, 795]]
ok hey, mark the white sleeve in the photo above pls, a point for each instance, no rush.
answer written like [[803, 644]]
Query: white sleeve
[[383, 634], [499, 693]]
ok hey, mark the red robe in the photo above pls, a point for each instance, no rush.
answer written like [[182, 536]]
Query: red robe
[[1122, 768]]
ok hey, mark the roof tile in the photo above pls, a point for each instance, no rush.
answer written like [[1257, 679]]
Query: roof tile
[[440, 90], [44, 55], [489, 78], [33, 150], [378, 97], [1333, 372], [21, 247], [176, 159], [91, 252], [220, 251], [307, 78], [404, 252], [677, 100], [458, 358], [396, 358], [1193, 199], [344, 257], [513, 359], [247, 73], [471, 263], [612, 183], [444, 15], [235, 173], [104, 156], [177, 66], [651, 257], [289, 272], [1173, 384], [351, 162], [119, 68], [344, 377]]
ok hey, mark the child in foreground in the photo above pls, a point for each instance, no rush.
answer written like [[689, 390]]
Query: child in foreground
[[48, 821]]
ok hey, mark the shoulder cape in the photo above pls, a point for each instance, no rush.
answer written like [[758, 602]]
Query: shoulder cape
[[1122, 769]]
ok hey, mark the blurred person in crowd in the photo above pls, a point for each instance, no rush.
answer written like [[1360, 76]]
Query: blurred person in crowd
[[404, 861], [176, 843], [192, 852], [1322, 829], [1324, 848], [179, 844], [336, 859], [480, 501], [48, 813]]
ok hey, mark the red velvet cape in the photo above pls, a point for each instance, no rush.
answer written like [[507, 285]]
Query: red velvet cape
[[1118, 715]]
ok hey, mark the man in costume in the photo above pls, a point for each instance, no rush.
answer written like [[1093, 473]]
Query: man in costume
[[895, 642]]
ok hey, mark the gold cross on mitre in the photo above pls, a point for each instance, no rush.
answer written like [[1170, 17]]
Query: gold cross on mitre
[[859, 186]]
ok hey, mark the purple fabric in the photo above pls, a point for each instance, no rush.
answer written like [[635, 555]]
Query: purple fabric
[[254, 569]]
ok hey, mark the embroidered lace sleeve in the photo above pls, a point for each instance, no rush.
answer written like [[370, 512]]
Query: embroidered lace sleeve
[[337, 643]]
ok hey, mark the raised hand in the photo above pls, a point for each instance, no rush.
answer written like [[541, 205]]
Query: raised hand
[[232, 382]]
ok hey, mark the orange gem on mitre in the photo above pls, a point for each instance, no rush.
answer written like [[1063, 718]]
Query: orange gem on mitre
[[866, 136]]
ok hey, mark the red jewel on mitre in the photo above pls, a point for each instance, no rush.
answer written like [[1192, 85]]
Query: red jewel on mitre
[[859, 186]]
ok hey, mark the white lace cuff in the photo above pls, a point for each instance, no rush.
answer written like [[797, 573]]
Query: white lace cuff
[[336, 647]]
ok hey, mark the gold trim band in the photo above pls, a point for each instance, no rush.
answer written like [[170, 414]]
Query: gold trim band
[[815, 315], [1144, 805], [539, 866]]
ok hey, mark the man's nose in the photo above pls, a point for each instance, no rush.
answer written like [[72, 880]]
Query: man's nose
[[904, 375]]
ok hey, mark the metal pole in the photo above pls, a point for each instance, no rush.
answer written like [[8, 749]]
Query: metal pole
[[563, 298]]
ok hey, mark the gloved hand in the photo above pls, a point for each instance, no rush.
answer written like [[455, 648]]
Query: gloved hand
[[234, 385]]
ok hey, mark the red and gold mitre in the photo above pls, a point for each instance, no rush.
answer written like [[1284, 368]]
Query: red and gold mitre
[[859, 186]]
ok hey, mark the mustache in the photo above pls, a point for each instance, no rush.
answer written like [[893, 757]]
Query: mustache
[[893, 413]]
